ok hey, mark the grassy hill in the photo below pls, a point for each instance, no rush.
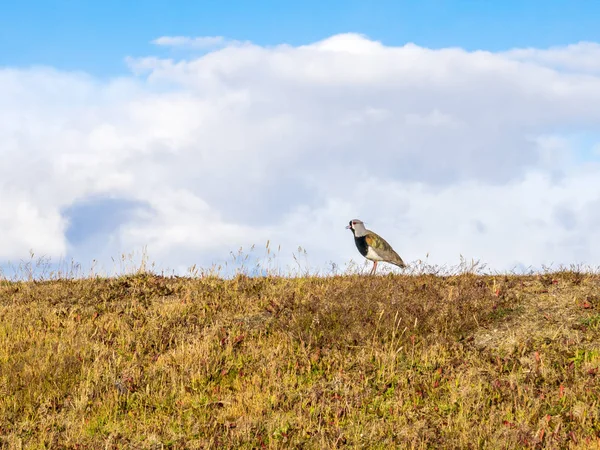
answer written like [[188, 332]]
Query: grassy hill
[[392, 361]]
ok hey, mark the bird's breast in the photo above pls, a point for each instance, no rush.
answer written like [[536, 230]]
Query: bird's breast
[[361, 245]]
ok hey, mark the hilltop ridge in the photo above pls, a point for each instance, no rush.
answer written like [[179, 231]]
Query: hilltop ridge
[[144, 361]]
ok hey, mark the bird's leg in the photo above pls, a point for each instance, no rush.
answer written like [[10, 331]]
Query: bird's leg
[[374, 268]]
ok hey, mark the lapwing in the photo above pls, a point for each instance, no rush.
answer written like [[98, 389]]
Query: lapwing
[[372, 246]]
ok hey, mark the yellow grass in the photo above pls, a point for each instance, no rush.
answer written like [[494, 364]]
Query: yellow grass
[[392, 361]]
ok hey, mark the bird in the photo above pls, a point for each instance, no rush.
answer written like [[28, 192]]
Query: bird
[[372, 246]]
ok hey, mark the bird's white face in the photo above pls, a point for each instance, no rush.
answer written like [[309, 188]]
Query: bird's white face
[[355, 225]]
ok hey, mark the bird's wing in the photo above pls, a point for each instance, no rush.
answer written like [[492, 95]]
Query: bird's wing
[[382, 248], [377, 242]]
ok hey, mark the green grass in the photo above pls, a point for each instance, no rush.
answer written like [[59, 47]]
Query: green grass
[[421, 361]]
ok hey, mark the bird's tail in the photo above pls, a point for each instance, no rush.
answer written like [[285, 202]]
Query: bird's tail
[[399, 263]]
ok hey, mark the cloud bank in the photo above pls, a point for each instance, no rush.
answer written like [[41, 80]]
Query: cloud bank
[[443, 152]]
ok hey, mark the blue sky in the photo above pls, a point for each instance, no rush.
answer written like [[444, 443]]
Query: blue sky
[[95, 36]]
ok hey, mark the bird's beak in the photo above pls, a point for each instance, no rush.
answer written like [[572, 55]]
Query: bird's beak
[[348, 227]]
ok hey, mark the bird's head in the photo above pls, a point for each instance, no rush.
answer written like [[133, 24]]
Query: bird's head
[[356, 225]]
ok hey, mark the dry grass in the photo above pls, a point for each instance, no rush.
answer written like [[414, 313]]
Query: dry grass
[[422, 361]]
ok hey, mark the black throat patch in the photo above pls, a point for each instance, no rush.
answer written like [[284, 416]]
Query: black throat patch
[[361, 244]]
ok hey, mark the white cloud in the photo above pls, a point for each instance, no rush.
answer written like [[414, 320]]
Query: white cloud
[[444, 152], [191, 42], [582, 57]]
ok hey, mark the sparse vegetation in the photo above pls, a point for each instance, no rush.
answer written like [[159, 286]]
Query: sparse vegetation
[[391, 361]]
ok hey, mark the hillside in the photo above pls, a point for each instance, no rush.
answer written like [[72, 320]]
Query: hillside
[[392, 361]]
